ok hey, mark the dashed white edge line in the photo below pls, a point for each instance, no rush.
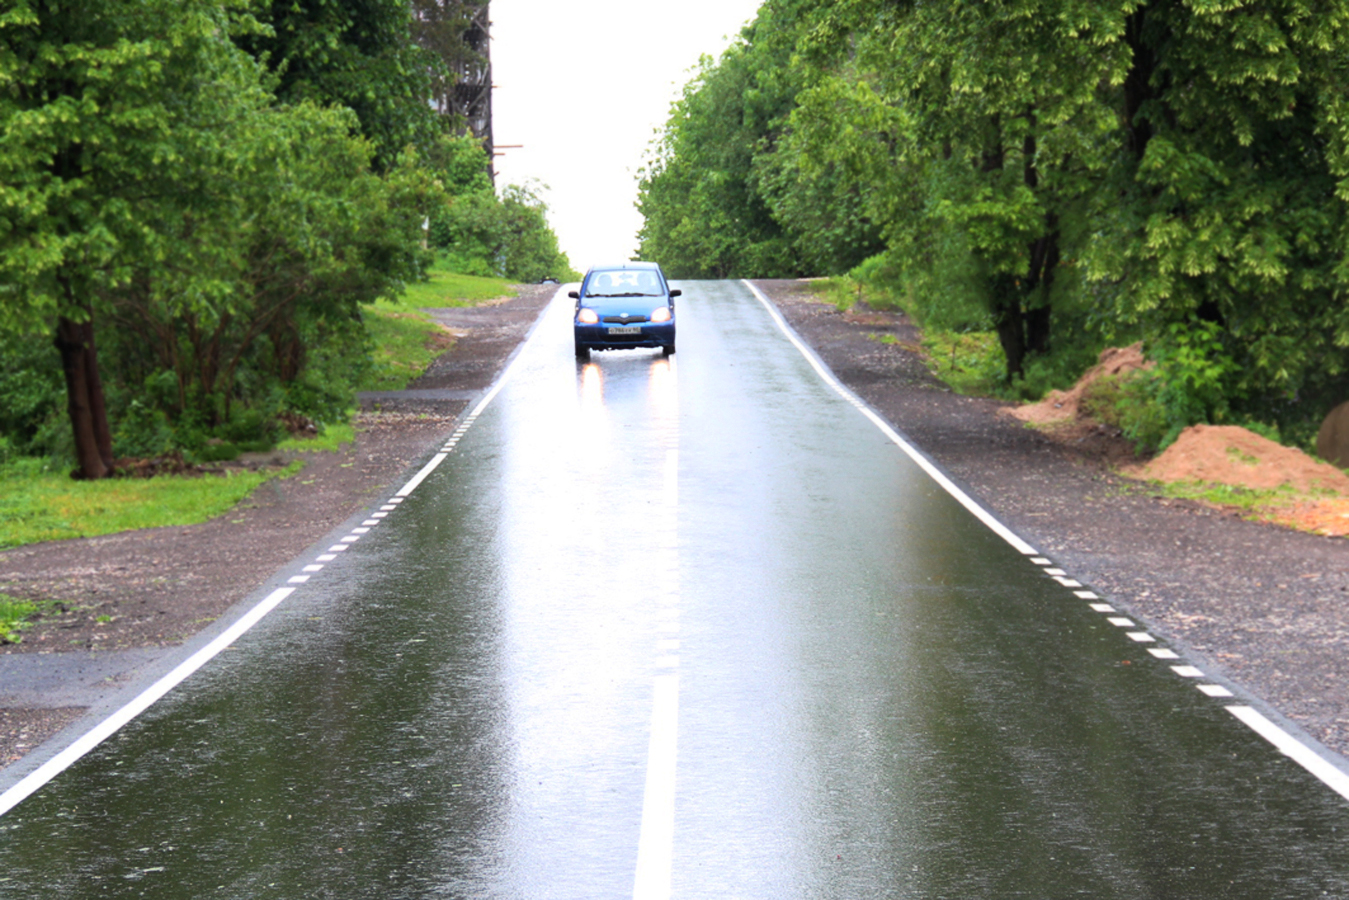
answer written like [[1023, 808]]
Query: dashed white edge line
[[922, 461], [110, 726]]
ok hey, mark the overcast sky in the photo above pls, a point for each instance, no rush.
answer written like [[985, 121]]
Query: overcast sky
[[583, 85]]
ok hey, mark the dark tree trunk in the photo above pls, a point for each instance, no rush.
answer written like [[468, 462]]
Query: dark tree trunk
[[84, 400], [1009, 321], [1138, 86], [1044, 262]]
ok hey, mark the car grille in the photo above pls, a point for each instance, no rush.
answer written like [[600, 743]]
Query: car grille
[[624, 320]]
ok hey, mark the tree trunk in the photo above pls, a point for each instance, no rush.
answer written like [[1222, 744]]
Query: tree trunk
[[1010, 323], [84, 400]]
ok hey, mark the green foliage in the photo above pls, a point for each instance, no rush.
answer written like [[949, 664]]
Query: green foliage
[[356, 54], [330, 439], [37, 506], [508, 237], [1067, 173], [223, 238], [970, 362], [405, 340]]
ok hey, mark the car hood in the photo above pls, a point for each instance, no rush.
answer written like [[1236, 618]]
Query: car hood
[[614, 306]]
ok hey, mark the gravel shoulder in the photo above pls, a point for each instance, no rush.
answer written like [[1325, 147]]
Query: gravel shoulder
[[1266, 607]]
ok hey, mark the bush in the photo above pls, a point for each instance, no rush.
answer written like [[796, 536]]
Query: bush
[[1130, 403]]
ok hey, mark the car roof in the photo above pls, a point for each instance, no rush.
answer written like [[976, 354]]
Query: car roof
[[624, 265]]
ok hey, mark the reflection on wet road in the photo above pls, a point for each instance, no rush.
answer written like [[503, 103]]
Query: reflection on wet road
[[686, 628]]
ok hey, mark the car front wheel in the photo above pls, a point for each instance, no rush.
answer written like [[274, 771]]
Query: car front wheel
[[667, 350]]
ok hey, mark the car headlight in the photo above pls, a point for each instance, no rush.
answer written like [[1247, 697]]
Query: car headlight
[[660, 314], [588, 316]]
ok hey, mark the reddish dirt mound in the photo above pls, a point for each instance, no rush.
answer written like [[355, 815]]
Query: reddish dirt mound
[[1059, 406], [1225, 454]]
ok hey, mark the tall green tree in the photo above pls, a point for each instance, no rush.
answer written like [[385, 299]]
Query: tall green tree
[[359, 54], [94, 99]]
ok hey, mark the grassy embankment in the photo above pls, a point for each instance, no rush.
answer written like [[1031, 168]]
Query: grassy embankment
[[38, 504], [406, 340]]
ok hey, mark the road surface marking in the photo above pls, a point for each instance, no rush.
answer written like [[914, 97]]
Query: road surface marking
[[1055, 572], [326, 557], [912, 452], [1187, 671], [1214, 690], [313, 567], [655, 847], [109, 726], [1328, 773], [1041, 561], [1291, 747], [1067, 582], [1121, 622], [1102, 607], [113, 723], [1087, 595]]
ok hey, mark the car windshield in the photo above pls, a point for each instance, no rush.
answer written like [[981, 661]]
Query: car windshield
[[624, 283]]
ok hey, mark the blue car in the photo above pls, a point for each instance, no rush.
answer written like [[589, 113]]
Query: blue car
[[622, 306]]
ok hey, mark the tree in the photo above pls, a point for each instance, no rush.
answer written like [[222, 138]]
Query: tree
[[94, 96], [359, 54]]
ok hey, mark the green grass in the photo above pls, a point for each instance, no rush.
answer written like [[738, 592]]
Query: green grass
[[1250, 500], [406, 340], [971, 363], [14, 614], [333, 438], [48, 507]]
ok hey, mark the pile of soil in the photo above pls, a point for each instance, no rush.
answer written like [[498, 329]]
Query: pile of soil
[[1063, 406], [1226, 454]]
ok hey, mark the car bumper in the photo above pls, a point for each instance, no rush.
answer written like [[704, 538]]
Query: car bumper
[[597, 337]]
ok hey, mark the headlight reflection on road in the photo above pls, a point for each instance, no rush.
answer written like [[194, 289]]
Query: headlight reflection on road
[[663, 396]]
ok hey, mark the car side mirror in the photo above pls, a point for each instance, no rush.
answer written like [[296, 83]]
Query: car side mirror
[[676, 293], [575, 295]]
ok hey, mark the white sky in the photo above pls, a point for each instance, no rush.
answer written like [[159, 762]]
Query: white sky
[[583, 85]]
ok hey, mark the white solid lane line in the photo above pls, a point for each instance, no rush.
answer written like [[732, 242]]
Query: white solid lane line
[[1291, 747], [922, 461], [655, 847], [113, 723]]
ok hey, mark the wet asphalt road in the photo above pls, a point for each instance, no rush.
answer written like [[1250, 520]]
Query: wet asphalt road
[[690, 628]]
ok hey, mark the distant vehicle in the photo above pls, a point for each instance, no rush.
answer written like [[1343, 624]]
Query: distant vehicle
[[548, 279], [623, 306]]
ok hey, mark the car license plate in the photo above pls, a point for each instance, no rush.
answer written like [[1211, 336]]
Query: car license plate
[[625, 329]]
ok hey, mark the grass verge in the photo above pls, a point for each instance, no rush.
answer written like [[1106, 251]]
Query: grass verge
[[14, 615], [48, 507], [405, 338], [332, 438]]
